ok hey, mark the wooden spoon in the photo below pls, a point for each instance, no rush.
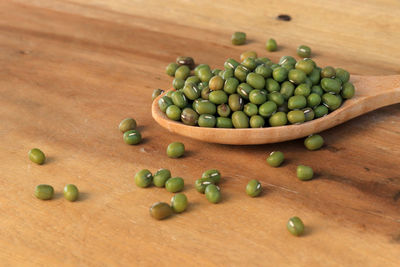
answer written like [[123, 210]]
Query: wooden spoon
[[372, 92]]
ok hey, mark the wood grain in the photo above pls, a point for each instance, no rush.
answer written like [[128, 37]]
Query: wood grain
[[71, 70]]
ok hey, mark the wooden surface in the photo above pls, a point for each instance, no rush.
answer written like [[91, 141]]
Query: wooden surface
[[71, 70], [373, 92]]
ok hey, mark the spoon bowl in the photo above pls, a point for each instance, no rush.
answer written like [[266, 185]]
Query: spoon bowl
[[372, 92]]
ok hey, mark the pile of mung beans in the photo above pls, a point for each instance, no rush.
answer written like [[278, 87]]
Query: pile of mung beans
[[255, 92]]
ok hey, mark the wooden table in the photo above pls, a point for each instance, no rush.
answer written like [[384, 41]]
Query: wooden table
[[71, 70]]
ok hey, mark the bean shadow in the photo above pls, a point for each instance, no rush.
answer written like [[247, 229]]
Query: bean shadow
[[225, 196], [280, 47], [188, 187], [286, 162], [308, 230], [144, 141], [331, 148], [58, 195], [314, 54], [223, 180], [395, 238], [248, 41], [262, 194], [316, 176], [192, 206], [49, 160], [83, 196], [188, 153], [141, 128]]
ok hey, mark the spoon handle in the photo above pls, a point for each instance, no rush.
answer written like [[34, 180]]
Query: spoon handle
[[373, 92]]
